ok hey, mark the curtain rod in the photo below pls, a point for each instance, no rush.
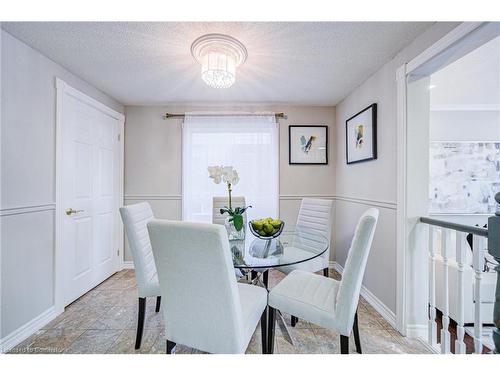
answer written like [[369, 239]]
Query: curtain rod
[[181, 115]]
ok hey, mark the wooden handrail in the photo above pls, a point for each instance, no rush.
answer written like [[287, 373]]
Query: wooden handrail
[[455, 226]]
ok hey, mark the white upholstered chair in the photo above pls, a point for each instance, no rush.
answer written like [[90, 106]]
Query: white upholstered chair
[[135, 218], [324, 301], [215, 314], [220, 202], [314, 215]]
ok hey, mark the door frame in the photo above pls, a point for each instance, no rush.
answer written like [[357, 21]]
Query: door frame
[[404, 286], [62, 89]]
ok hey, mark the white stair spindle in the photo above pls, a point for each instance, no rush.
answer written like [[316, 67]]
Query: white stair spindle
[[432, 291], [478, 264], [460, 347], [445, 333]]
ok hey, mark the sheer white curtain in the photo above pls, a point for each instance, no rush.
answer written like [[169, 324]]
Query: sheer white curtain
[[248, 143]]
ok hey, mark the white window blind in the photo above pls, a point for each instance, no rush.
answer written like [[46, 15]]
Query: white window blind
[[248, 143]]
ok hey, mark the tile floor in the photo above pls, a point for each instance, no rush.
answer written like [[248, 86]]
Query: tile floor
[[104, 321]]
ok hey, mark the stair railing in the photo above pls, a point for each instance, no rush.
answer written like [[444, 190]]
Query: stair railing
[[440, 238]]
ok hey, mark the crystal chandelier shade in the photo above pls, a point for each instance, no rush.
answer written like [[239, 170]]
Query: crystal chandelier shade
[[219, 55]]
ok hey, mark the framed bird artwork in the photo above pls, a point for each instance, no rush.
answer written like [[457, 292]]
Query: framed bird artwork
[[361, 136], [308, 144]]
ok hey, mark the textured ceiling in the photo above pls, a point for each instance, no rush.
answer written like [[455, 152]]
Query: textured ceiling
[[316, 63]]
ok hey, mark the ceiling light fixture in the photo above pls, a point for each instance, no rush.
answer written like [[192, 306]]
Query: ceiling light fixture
[[219, 55]]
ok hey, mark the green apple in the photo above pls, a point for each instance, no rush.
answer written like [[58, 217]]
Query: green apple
[[276, 223], [268, 228], [257, 225]]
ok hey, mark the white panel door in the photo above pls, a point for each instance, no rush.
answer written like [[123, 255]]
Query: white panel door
[[90, 192]]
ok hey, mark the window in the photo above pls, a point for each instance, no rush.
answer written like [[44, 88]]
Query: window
[[248, 143]]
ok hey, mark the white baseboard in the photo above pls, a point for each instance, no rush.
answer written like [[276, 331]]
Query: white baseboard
[[417, 331], [128, 265], [26, 330], [377, 304]]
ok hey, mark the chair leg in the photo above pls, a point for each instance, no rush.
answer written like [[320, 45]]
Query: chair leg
[[293, 321], [140, 322], [344, 344], [265, 278], [263, 330], [253, 275], [271, 328], [158, 303], [325, 272], [170, 346], [356, 333]]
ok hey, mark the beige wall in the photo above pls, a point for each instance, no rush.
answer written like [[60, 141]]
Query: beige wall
[[153, 158], [373, 183]]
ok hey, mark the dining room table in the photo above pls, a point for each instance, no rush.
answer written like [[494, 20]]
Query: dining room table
[[253, 257]]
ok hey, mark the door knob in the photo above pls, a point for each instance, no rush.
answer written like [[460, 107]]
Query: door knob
[[70, 211]]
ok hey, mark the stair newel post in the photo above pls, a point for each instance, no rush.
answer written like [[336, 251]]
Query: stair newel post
[[445, 253], [478, 249], [432, 288], [494, 250], [460, 347]]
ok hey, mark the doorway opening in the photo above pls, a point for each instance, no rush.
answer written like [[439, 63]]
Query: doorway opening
[[449, 150], [89, 192]]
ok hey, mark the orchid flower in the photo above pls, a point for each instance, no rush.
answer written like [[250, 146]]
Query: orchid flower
[[215, 173], [230, 176]]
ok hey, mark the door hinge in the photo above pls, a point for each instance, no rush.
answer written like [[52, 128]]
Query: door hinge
[[118, 252], [119, 137]]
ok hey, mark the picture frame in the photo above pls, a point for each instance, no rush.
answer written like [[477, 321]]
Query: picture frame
[[307, 144], [361, 136]]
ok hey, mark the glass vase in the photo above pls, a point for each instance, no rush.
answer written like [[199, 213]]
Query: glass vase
[[232, 233]]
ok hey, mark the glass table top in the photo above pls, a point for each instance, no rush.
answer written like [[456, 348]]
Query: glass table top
[[290, 247]]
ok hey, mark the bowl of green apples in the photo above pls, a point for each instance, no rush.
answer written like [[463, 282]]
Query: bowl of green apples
[[266, 228]]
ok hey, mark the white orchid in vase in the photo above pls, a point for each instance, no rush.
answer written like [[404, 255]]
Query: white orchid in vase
[[229, 175]]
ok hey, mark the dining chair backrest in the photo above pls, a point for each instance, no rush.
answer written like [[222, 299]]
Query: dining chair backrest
[[135, 218], [354, 270], [316, 215], [221, 202], [199, 312]]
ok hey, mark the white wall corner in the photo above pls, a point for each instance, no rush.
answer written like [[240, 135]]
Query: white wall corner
[[401, 72], [401, 261], [60, 84]]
